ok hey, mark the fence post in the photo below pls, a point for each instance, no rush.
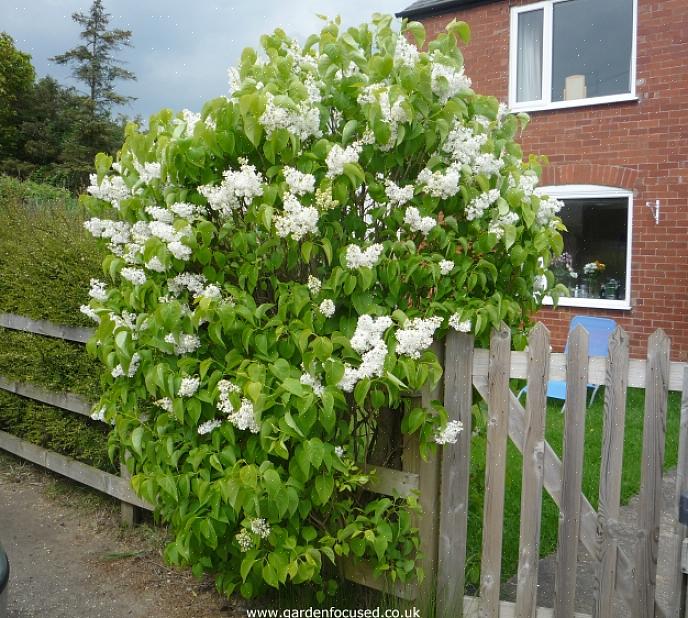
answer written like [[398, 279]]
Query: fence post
[[650, 504], [497, 433], [429, 481], [533, 472], [572, 474], [456, 464], [680, 531], [129, 512], [610, 472]]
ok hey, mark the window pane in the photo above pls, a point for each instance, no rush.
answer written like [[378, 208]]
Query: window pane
[[597, 235], [529, 69], [591, 48]]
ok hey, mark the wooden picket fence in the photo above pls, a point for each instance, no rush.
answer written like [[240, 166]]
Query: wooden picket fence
[[442, 482]]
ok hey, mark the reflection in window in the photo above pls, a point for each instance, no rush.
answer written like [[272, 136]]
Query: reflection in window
[[593, 264], [529, 84], [591, 48]]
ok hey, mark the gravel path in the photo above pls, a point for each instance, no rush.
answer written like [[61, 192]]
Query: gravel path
[[69, 558], [585, 578]]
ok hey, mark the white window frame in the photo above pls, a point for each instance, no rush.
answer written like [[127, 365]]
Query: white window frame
[[546, 101], [569, 192]]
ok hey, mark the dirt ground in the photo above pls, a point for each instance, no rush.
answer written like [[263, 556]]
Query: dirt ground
[[69, 556]]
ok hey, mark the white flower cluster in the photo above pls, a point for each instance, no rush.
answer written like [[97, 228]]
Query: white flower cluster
[[117, 232], [190, 281], [447, 81], [148, 172], [118, 371], [424, 225], [367, 341], [548, 209], [208, 426], [461, 326], [327, 308], [446, 266], [189, 386], [186, 344], [355, 258], [480, 204], [299, 183], [297, 220], [450, 433], [134, 275], [99, 414], [440, 184], [244, 418], [405, 54], [302, 121], [487, 164], [245, 540], [164, 404], [302, 61], [225, 387], [526, 183], [338, 157], [260, 527], [392, 113], [314, 284], [463, 144], [497, 226], [112, 189], [160, 214], [314, 382], [90, 312], [98, 290], [244, 184], [185, 210], [155, 265], [398, 196], [416, 336]]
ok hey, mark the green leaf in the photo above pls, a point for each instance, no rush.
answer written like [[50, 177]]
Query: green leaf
[[460, 30], [418, 31], [136, 438], [324, 486]]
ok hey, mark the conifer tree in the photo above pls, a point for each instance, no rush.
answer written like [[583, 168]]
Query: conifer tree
[[93, 62]]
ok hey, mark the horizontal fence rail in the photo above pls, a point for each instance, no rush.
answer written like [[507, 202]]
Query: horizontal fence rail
[[104, 482], [46, 328]]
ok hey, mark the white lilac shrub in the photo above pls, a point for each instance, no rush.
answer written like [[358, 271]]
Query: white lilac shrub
[[279, 267]]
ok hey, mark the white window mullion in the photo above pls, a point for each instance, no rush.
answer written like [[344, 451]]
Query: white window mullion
[[547, 54]]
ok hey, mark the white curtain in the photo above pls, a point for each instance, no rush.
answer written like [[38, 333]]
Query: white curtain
[[529, 70]]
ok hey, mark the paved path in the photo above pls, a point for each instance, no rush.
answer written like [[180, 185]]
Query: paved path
[[61, 558], [585, 581]]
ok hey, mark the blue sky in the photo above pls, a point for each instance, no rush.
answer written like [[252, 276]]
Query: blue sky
[[182, 48]]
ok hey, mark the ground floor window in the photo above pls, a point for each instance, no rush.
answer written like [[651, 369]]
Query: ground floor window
[[596, 264]]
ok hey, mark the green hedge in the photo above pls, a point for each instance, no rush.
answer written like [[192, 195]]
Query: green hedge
[[46, 261]]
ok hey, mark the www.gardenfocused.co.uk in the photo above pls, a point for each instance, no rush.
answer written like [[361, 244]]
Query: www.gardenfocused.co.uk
[[334, 612]]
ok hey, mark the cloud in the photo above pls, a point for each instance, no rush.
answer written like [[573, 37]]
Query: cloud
[[181, 49]]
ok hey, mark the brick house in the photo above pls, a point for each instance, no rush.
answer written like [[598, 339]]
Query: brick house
[[605, 83]]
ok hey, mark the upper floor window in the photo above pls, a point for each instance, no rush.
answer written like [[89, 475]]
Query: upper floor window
[[566, 53]]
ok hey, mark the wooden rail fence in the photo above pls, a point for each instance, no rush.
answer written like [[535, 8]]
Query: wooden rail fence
[[443, 481]]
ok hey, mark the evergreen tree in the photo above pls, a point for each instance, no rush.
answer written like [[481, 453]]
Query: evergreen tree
[[16, 82], [93, 62]]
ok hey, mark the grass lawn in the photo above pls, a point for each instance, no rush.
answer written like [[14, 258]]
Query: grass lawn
[[591, 471]]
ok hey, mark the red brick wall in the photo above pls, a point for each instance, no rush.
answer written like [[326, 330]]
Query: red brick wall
[[641, 146]]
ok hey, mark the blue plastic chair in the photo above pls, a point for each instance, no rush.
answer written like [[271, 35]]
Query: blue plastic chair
[[599, 331]]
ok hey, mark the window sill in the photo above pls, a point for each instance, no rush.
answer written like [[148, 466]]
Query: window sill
[[590, 303], [541, 107]]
